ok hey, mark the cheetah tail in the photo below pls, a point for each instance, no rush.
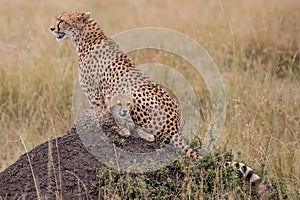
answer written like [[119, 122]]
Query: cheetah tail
[[251, 176], [178, 142]]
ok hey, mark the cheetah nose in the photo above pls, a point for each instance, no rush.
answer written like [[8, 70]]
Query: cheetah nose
[[52, 29], [123, 114]]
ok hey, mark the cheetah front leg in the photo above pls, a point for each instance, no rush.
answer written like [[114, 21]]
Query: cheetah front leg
[[97, 103]]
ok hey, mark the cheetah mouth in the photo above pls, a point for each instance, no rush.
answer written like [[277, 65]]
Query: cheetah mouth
[[123, 115], [60, 36]]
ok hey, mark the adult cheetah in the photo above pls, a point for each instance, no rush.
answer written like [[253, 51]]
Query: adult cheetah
[[105, 70]]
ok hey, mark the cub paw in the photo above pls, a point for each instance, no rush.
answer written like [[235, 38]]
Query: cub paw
[[124, 132]]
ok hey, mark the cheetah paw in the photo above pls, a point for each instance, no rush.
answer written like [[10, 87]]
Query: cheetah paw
[[146, 136]]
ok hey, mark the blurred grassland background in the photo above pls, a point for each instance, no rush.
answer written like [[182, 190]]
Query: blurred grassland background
[[255, 44]]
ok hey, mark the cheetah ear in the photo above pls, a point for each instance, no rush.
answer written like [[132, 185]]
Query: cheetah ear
[[86, 15]]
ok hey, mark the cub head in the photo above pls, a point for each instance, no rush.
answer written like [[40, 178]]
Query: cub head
[[120, 104], [69, 24]]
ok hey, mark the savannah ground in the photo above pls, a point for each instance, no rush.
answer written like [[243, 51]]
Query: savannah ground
[[255, 45]]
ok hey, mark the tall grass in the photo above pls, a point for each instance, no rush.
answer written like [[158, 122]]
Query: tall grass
[[254, 43]]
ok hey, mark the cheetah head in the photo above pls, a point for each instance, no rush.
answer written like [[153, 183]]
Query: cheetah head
[[69, 24]]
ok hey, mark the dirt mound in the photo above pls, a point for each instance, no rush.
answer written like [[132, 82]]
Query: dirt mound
[[50, 169], [62, 168]]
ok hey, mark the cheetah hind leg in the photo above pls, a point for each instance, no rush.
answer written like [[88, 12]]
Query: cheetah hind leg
[[144, 135], [122, 131]]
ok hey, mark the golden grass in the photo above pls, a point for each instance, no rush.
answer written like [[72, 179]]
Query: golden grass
[[254, 43]]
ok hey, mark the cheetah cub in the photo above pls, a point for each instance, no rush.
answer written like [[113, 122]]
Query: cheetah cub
[[120, 106]]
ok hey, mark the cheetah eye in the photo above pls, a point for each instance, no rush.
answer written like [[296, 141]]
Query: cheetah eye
[[119, 104], [60, 21], [128, 104]]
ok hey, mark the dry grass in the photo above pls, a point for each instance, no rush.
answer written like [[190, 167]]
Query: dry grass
[[254, 43]]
